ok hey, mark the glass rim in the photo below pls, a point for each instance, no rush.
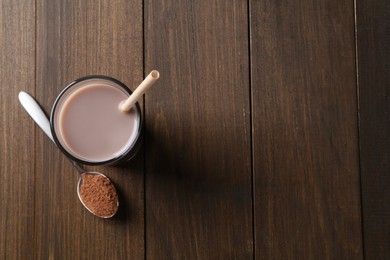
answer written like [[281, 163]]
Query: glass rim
[[64, 150]]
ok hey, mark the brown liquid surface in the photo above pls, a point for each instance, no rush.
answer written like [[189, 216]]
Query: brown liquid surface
[[92, 125]]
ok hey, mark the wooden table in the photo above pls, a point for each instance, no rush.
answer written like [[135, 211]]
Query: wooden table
[[266, 137]]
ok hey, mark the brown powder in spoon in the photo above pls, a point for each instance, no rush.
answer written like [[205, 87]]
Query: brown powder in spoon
[[99, 195]]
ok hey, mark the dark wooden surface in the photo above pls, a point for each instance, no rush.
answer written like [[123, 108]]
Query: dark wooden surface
[[198, 150], [17, 145], [305, 135], [266, 137], [373, 20]]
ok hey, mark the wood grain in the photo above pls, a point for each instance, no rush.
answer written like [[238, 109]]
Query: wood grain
[[198, 172], [305, 139], [373, 34], [74, 39], [17, 60], [252, 133]]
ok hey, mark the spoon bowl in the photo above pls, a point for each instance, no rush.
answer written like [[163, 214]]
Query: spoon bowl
[[79, 184]]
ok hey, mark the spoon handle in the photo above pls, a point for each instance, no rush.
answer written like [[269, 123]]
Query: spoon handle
[[36, 112], [76, 165]]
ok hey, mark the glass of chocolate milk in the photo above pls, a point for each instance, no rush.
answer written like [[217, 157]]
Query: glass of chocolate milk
[[88, 126]]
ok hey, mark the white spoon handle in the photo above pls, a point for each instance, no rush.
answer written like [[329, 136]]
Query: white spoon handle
[[36, 112]]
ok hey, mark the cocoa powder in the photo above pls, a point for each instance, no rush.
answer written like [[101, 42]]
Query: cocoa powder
[[99, 195]]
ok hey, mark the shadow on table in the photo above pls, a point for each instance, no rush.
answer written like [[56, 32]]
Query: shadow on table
[[192, 170], [125, 179], [186, 175]]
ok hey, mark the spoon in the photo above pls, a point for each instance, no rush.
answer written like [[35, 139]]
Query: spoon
[[40, 118]]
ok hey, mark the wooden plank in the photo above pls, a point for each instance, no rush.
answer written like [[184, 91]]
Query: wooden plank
[[305, 138], [373, 19], [74, 39], [17, 59], [198, 184]]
